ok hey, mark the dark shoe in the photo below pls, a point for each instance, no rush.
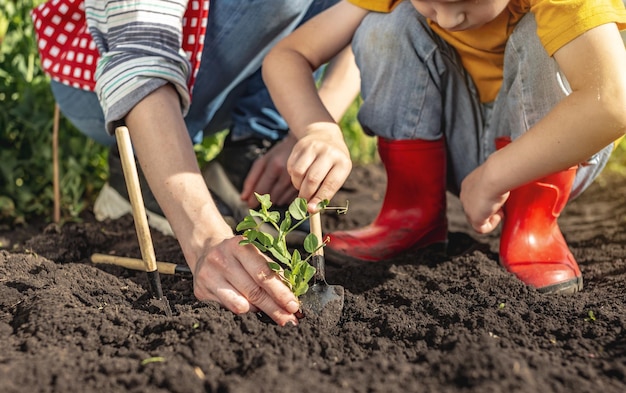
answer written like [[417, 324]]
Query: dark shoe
[[113, 201]]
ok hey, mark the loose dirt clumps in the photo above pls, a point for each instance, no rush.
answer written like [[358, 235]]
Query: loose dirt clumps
[[423, 322]]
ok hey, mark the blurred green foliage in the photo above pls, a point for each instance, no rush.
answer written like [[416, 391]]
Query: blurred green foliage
[[26, 131], [362, 147]]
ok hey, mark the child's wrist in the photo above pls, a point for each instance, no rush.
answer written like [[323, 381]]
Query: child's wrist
[[494, 177]]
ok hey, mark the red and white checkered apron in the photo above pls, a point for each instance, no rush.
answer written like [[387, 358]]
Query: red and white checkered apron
[[69, 55]]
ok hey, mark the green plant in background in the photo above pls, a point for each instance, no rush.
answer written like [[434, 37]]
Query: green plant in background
[[209, 147], [26, 132], [292, 269], [362, 147]]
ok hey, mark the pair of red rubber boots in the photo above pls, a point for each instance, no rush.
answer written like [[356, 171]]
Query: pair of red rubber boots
[[413, 216]]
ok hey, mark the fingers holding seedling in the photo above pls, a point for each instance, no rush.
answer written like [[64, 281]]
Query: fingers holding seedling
[[242, 282]]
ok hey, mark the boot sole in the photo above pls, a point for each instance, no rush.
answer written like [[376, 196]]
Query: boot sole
[[566, 288]]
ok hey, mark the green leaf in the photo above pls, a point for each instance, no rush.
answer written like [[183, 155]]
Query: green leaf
[[322, 205], [311, 243], [300, 289], [247, 223], [263, 215], [298, 209], [296, 262], [303, 272], [281, 247], [274, 217], [309, 272], [285, 226], [274, 266], [265, 238], [278, 255], [260, 246], [251, 234], [264, 200]]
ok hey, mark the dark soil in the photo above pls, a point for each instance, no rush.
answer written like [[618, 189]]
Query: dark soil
[[419, 323]]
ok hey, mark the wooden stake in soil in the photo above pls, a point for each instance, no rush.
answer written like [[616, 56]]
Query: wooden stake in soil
[[56, 189], [139, 214]]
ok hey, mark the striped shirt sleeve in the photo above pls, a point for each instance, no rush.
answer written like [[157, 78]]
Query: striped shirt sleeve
[[140, 50]]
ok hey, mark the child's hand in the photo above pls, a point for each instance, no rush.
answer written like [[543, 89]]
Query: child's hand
[[319, 163], [482, 208]]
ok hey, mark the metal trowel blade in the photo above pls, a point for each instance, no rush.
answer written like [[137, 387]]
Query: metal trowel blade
[[324, 303]]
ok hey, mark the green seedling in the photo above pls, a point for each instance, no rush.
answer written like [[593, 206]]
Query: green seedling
[[154, 359], [592, 316], [294, 270]]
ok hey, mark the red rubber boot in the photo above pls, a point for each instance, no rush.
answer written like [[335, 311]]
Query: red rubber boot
[[531, 244], [413, 214]]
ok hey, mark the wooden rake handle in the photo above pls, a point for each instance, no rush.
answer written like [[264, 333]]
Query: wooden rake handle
[[136, 199], [137, 264]]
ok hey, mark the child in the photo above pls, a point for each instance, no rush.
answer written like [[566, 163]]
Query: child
[[514, 105]]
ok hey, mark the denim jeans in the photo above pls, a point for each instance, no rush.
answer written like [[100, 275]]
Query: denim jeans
[[229, 92], [415, 87]]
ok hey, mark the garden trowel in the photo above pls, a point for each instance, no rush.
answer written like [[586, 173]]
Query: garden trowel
[[139, 216], [322, 301]]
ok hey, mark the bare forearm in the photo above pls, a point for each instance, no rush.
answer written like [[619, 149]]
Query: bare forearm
[[341, 84], [584, 122], [165, 152], [288, 77], [562, 139], [288, 67]]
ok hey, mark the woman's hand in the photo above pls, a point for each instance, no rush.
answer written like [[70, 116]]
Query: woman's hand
[[239, 278]]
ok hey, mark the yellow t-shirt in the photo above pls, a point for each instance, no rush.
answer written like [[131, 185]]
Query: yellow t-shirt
[[482, 49]]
